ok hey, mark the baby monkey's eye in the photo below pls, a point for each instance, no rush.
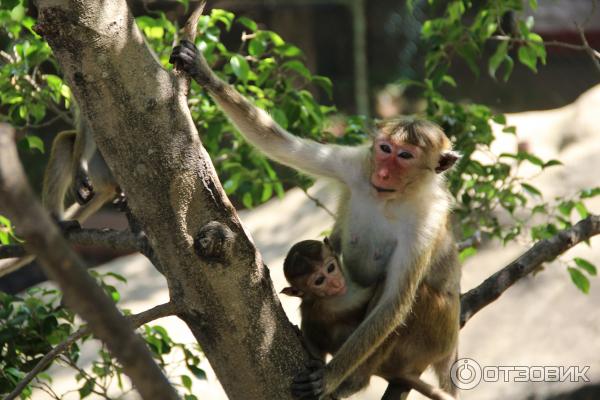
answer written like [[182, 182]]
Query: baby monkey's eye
[[405, 154], [319, 281], [386, 148], [331, 267]]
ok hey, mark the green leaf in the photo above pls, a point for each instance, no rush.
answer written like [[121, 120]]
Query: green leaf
[[297, 66], [9, 4], [247, 200], [34, 142], [551, 163], [248, 23], [280, 117], [86, 389], [537, 45], [497, 58], [588, 193], [531, 189], [499, 119], [256, 47], [289, 50], [449, 80], [469, 52], [533, 5], [225, 17], [186, 381], [267, 192], [118, 277], [508, 61], [586, 265], [275, 38], [324, 83], [531, 158], [528, 57], [581, 209], [566, 207], [580, 280], [466, 253], [232, 184], [198, 373], [240, 67]]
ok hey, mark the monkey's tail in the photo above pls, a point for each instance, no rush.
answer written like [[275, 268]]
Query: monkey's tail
[[425, 388], [58, 174], [57, 179]]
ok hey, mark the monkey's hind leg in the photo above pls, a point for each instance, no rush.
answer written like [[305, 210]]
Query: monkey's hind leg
[[396, 391], [58, 174], [442, 371]]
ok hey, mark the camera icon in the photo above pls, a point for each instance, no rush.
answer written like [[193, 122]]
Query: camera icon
[[465, 373]]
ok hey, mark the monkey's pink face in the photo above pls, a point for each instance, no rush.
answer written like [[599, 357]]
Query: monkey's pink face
[[392, 162], [327, 280]]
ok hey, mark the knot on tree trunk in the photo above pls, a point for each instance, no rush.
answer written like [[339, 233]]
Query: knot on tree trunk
[[213, 242]]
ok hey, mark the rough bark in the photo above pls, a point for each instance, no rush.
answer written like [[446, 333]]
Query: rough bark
[[143, 128]]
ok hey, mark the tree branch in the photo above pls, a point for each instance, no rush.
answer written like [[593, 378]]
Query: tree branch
[[80, 291], [543, 251], [136, 320], [119, 241]]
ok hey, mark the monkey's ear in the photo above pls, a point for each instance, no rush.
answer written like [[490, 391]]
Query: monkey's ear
[[447, 160], [327, 242], [292, 291]]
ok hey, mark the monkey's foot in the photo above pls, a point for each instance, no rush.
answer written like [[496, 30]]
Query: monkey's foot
[[309, 384], [84, 190]]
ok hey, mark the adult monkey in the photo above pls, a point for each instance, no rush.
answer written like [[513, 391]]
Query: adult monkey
[[392, 219]]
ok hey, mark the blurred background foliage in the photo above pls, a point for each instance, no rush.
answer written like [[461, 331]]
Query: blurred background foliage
[[488, 37]]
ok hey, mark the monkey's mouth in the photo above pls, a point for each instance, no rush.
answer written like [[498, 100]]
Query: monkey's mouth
[[338, 292], [383, 190]]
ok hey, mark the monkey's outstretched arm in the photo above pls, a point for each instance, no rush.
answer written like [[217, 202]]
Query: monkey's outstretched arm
[[262, 131]]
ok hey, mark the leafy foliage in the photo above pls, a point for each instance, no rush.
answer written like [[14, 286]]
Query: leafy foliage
[[488, 192], [267, 70], [31, 325]]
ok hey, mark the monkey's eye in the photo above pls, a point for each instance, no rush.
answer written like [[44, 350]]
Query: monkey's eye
[[319, 281], [331, 267], [405, 154], [386, 148]]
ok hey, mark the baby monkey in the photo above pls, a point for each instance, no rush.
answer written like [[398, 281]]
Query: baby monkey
[[331, 309]]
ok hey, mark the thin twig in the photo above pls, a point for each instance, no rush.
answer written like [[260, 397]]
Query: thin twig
[[473, 241], [593, 53], [318, 203], [136, 320]]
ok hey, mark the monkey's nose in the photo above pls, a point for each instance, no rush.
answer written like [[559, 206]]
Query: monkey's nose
[[383, 174]]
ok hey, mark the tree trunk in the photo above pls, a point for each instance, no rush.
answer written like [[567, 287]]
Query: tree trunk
[[144, 129]]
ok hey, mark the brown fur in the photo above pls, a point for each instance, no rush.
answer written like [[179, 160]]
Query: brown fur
[[65, 160]]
